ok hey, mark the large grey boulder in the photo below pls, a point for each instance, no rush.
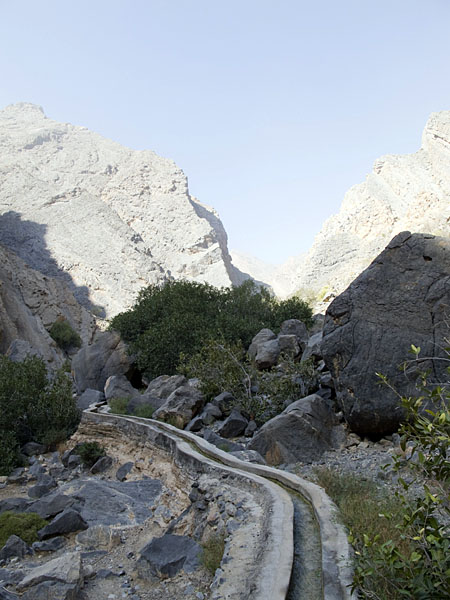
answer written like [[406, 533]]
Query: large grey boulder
[[402, 298], [181, 406], [234, 425], [168, 555], [302, 432], [263, 336], [118, 386], [89, 397], [164, 385], [106, 502], [313, 347], [68, 521], [14, 547], [106, 356], [66, 569], [297, 328]]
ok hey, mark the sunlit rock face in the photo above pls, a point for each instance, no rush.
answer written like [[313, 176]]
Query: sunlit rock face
[[109, 219], [409, 192]]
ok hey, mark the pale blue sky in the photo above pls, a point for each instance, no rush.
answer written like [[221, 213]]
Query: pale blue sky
[[273, 109]]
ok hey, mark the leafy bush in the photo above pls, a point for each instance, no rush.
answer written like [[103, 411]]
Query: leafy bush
[[180, 316], [64, 335], [415, 561], [144, 412], [24, 525], [32, 408], [90, 452], [262, 395], [118, 405]]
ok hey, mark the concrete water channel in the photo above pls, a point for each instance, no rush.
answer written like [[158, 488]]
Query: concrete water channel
[[305, 554]]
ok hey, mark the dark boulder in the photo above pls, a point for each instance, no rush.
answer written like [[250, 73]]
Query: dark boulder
[[302, 432], [124, 470], [168, 555], [14, 547], [402, 298], [68, 521], [49, 545], [234, 425], [101, 465], [181, 406], [51, 505]]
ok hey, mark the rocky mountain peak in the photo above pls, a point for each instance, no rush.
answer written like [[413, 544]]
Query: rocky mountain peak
[[108, 219], [403, 192]]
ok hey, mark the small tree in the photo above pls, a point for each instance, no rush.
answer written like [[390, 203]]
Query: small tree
[[181, 316], [32, 408], [64, 334]]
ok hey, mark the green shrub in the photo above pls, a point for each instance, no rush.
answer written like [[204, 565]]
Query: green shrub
[[144, 412], [180, 316], [90, 452], [64, 335], [24, 525], [212, 553], [224, 368], [118, 405], [32, 408], [415, 561]]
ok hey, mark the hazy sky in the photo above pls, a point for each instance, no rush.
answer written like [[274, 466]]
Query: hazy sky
[[273, 109]]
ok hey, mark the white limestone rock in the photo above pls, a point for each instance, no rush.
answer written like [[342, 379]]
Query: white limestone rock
[[30, 303], [406, 192], [109, 219], [403, 193]]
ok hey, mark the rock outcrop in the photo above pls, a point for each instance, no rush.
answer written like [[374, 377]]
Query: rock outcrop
[[30, 303], [403, 298], [109, 219]]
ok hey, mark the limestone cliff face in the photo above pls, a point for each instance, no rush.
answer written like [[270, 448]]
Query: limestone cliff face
[[31, 302], [109, 219], [409, 192]]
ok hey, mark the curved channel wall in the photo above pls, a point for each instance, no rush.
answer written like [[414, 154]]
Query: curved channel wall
[[273, 551]]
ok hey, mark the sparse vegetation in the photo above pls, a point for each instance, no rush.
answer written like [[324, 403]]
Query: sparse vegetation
[[404, 552], [180, 316], [144, 412], [90, 452], [32, 408], [24, 525], [261, 394], [118, 405], [64, 334], [212, 553]]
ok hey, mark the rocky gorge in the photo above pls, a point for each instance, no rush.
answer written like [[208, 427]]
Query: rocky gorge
[[139, 521]]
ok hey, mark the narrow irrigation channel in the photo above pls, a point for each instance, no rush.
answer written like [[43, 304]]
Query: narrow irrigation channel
[[306, 577], [319, 568]]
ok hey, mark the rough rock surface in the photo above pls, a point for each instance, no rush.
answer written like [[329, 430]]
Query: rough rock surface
[[167, 555], [403, 298], [29, 304], [109, 219], [92, 365], [404, 192], [182, 404], [302, 432]]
